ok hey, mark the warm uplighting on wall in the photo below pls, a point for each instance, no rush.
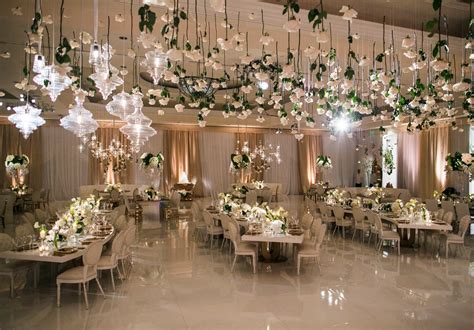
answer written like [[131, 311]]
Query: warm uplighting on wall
[[183, 178]]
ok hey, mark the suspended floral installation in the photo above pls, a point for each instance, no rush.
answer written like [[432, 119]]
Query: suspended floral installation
[[151, 164], [461, 162], [317, 82], [324, 162]]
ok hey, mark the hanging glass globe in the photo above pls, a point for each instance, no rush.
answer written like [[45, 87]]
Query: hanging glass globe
[[39, 63], [106, 76], [121, 105], [26, 118], [138, 129], [155, 64], [94, 54], [79, 121], [54, 79]]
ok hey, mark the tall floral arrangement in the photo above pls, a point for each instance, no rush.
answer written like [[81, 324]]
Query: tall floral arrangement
[[239, 162], [460, 162], [149, 161], [15, 163]]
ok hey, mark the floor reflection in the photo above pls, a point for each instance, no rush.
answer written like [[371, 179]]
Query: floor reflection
[[178, 282]]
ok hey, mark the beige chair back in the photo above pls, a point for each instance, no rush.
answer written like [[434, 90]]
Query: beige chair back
[[6, 242], [117, 244], [464, 225], [448, 217], [92, 255], [358, 215], [462, 209], [130, 235], [439, 214], [431, 205], [316, 226], [175, 198], [306, 221], [24, 229], [338, 212], [251, 197]]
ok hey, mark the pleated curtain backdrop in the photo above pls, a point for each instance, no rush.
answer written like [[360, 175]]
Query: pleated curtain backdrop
[[215, 149], [287, 172], [343, 156], [65, 168], [308, 149], [13, 143], [181, 151]]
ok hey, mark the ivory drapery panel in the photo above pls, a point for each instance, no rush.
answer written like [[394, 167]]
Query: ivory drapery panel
[[12, 142], [253, 140], [181, 151], [65, 168], [343, 156], [308, 149], [421, 161], [287, 172], [215, 149]]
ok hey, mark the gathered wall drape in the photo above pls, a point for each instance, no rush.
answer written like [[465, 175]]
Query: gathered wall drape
[[215, 149], [12, 142], [308, 149], [287, 172], [64, 167], [181, 152], [344, 166], [421, 161]]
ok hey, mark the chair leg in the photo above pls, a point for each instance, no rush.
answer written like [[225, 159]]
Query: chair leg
[[12, 286], [318, 262], [447, 249], [254, 261], [353, 235], [398, 247], [100, 286], [298, 265], [112, 278], [58, 295], [85, 295], [233, 264]]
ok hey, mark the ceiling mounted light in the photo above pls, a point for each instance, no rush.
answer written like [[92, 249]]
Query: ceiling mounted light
[[155, 63], [79, 121], [121, 105]]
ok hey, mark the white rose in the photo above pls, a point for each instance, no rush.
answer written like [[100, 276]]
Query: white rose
[[466, 158], [292, 25]]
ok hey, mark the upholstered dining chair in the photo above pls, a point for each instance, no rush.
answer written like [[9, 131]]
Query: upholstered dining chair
[[431, 205], [11, 268], [211, 229], [251, 197], [198, 221], [447, 206], [462, 209], [225, 222], [457, 238], [242, 248], [306, 222], [359, 222], [266, 196], [125, 256], [82, 274], [30, 217], [3, 210], [24, 229], [41, 216], [314, 231], [312, 250], [326, 213], [385, 235], [341, 221], [110, 261]]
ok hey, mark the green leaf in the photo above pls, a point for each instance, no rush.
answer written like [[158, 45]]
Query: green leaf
[[25, 71], [349, 73], [312, 14], [141, 26], [437, 4], [176, 21], [183, 15], [380, 57], [296, 7]]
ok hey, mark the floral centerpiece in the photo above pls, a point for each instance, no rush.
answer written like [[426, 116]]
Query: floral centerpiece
[[185, 194], [239, 162], [335, 196], [113, 186], [151, 163], [150, 193], [376, 193], [227, 203], [460, 162], [20, 190], [70, 223], [258, 184], [324, 162], [388, 161]]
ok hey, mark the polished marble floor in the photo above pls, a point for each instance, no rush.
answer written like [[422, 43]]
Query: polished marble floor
[[177, 282]]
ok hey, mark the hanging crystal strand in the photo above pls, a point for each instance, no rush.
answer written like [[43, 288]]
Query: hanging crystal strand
[[95, 51]]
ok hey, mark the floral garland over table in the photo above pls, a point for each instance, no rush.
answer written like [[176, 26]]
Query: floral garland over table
[[324, 162], [151, 163], [70, 224], [460, 162]]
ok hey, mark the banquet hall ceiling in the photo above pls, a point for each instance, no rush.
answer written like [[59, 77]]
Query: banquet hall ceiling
[[78, 16], [403, 13]]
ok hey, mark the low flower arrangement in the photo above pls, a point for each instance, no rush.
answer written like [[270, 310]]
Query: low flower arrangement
[[388, 161], [14, 163], [20, 190], [239, 162], [324, 162], [184, 194], [113, 186], [376, 193], [336, 196], [460, 162], [150, 193], [259, 184], [149, 161]]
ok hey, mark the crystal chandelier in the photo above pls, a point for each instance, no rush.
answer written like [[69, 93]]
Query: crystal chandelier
[[105, 75], [121, 105], [115, 149], [138, 129], [79, 120], [26, 118], [155, 64]]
